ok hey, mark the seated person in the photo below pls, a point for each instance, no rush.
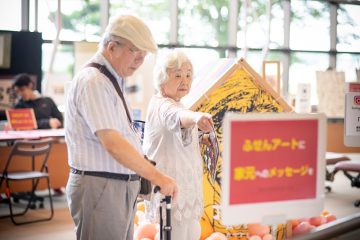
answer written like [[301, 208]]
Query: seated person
[[46, 112]]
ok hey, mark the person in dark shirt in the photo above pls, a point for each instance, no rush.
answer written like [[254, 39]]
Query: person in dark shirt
[[46, 112]]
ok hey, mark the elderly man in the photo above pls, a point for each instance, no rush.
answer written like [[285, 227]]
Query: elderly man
[[105, 155]]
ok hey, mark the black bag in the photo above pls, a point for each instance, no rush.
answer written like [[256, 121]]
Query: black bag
[[145, 185]]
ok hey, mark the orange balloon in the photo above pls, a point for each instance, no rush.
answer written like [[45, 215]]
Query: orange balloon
[[258, 229], [141, 206], [136, 219], [330, 218], [206, 229], [241, 238], [324, 212], [145, 230], [294, 223]]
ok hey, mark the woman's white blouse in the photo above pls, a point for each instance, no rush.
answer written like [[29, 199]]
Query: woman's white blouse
[[176, 153]]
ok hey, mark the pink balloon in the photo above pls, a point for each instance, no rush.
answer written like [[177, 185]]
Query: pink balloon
[[258, 229], [303, 227], [268, 237], [317, 221], [157, 236], [255, 237]]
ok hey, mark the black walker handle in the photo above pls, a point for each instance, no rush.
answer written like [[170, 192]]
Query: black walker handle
[[156, 189]]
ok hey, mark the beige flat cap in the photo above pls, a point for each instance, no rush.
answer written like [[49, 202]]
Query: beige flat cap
[[133, 29]]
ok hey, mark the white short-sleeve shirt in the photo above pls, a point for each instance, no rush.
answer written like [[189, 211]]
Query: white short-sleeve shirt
[[92, 104]]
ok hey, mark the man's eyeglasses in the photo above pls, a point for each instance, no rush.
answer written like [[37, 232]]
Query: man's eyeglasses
[[136, 52]]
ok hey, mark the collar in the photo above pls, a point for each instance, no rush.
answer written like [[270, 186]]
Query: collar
[[99, 58]]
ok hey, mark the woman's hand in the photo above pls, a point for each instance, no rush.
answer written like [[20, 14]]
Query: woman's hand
[[204, 121]]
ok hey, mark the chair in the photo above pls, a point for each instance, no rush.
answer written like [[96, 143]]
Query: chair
[[25, 151], [331, 160], [350, 166]]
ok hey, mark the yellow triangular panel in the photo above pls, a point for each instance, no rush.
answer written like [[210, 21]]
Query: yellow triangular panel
[[237, 89]]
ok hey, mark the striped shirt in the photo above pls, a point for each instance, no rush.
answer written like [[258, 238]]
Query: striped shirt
[[93, 104]]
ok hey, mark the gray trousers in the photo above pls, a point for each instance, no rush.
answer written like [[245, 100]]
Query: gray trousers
[[102, 208]]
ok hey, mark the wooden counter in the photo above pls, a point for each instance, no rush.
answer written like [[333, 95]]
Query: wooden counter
[[59, 169], [335, 138], [57, 163]]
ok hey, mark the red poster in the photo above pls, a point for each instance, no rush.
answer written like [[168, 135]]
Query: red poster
[[273, 160], [21, 119]]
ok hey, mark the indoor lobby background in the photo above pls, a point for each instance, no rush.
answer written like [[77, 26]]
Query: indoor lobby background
[[304, 36], [308, 38]]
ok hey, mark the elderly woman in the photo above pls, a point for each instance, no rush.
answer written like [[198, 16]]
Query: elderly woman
[[171, 140]]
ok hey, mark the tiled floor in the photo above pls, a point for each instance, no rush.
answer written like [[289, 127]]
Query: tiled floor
[[59, 228]]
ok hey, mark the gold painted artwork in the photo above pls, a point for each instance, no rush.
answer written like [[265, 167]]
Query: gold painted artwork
[[241, 93]]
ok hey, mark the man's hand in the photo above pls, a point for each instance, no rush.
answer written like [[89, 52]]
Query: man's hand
[[168, 186], [54, 123]]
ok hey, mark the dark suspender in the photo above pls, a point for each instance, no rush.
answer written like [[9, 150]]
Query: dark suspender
[[108, 74]]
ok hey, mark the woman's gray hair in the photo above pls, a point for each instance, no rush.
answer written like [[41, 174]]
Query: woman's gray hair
[[173, 60], [106, 38]]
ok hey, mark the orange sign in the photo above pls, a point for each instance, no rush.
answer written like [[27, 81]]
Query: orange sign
[[21, 119]]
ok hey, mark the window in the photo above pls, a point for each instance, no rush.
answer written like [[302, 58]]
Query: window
[[303, 70], [257, 23], [54, 83], [155, 13], [348, 28], [310, 26], [10, 12], [80, 19], [203, 23], [64, 60], [196, 56], [348, 63]]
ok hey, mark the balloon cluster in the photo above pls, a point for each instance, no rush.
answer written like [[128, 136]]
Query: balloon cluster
[[305, 225], [147, 231], [142, 229]]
